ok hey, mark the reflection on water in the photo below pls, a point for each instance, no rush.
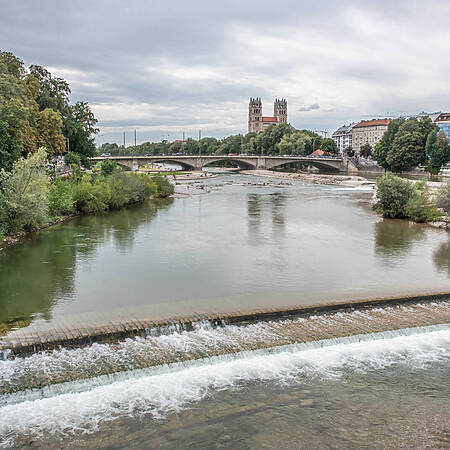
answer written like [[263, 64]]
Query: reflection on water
[[42, 269], [441, 257], [396, 237], [250, 243]]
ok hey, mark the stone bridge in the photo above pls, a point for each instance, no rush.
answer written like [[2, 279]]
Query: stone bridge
[[244, 162]]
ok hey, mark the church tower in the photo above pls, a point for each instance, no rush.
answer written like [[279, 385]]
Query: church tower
[[280, 110], [255, 124]]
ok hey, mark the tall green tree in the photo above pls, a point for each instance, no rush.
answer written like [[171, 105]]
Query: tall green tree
[[407, 149], [437, 150], [382, 148], [328, 145]]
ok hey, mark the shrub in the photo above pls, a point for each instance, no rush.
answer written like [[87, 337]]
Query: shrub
[[419, 207], [393, 194], [91, 197], [108, 167], [60, 198], [163, 187], [443, 198], [24, 194], [128, 187]]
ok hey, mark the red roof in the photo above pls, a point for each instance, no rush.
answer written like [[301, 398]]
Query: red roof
[[371, 123], [320, 152], [444, 117], [269, 119]]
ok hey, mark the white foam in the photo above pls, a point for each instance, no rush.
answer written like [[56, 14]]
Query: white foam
[[162, 392]]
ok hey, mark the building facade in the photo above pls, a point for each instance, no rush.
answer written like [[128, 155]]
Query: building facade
[[443, 122], [257, 122], [368, 132], [343, 137]]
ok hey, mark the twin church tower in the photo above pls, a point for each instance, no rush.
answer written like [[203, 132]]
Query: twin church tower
[[257, 122]]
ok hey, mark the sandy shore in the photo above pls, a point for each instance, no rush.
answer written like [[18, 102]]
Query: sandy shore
[[336, 180]]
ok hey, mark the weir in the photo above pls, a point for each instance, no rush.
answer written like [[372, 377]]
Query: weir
[[75, 333], [169, 344]]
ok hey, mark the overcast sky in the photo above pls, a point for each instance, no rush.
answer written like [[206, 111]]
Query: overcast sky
[[164, 67]]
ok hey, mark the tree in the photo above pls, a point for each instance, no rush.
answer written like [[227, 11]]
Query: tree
[[437, 150], [23, 193], [328, 145], [407, 148], [383, 146], [349, 151], [53, 91], [49, 124], [79, 128], [366, 150], [108, 167], [443, 198]]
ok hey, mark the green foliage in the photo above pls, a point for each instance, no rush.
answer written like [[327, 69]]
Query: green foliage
[[126, 188], [365, 151], [108, 167], [408, 148], [438, 151], [393, 194], [443, 198], [163, 187], [35, 112], [91, 196], [419, 207], [274, 140], [60, 198], [328, 145], [24, 194], [383, 147], [349, 151]]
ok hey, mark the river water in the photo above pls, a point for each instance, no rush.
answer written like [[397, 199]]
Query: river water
[[248, 243]]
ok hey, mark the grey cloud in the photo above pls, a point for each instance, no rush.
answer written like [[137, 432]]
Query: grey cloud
[[312, 107], [114, 43]]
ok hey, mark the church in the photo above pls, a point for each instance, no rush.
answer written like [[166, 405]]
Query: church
[[257, 122]]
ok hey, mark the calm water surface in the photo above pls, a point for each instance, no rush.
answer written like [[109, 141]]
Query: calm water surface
[[251, 242]]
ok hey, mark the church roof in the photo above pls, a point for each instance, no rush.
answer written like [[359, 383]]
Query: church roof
[[269, 119]]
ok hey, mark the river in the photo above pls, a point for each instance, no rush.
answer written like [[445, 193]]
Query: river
[[249, 243], [243, 242]]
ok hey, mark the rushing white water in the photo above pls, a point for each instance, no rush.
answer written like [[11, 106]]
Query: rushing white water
[[67, 409]]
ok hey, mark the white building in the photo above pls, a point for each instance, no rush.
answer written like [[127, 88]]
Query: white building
[[343, 137]]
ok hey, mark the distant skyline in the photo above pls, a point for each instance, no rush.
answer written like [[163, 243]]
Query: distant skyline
[[168, 67]]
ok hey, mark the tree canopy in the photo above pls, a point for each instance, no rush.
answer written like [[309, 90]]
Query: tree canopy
[[35, 112]]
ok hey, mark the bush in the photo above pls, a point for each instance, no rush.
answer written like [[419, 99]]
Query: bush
[[91, 197], [443, 198], [128, 188], [24, 194], [163, 187], [60, 198], [108, 167], [393, 194], [420, 209]]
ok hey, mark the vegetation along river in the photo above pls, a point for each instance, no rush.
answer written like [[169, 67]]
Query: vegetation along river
[[241, 243]]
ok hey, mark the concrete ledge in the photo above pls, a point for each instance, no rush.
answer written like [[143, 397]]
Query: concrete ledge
[[19, 343]]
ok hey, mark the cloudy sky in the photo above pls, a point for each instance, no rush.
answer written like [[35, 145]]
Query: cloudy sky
[[165, 67]]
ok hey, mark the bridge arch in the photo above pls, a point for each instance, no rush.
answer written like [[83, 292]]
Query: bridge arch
[[186, 165], [326, 164], [241, 163]]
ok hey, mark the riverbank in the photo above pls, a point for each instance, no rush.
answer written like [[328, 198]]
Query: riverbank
[[327, 179]]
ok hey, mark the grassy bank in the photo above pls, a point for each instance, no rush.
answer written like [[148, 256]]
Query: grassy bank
[[31, 199]]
